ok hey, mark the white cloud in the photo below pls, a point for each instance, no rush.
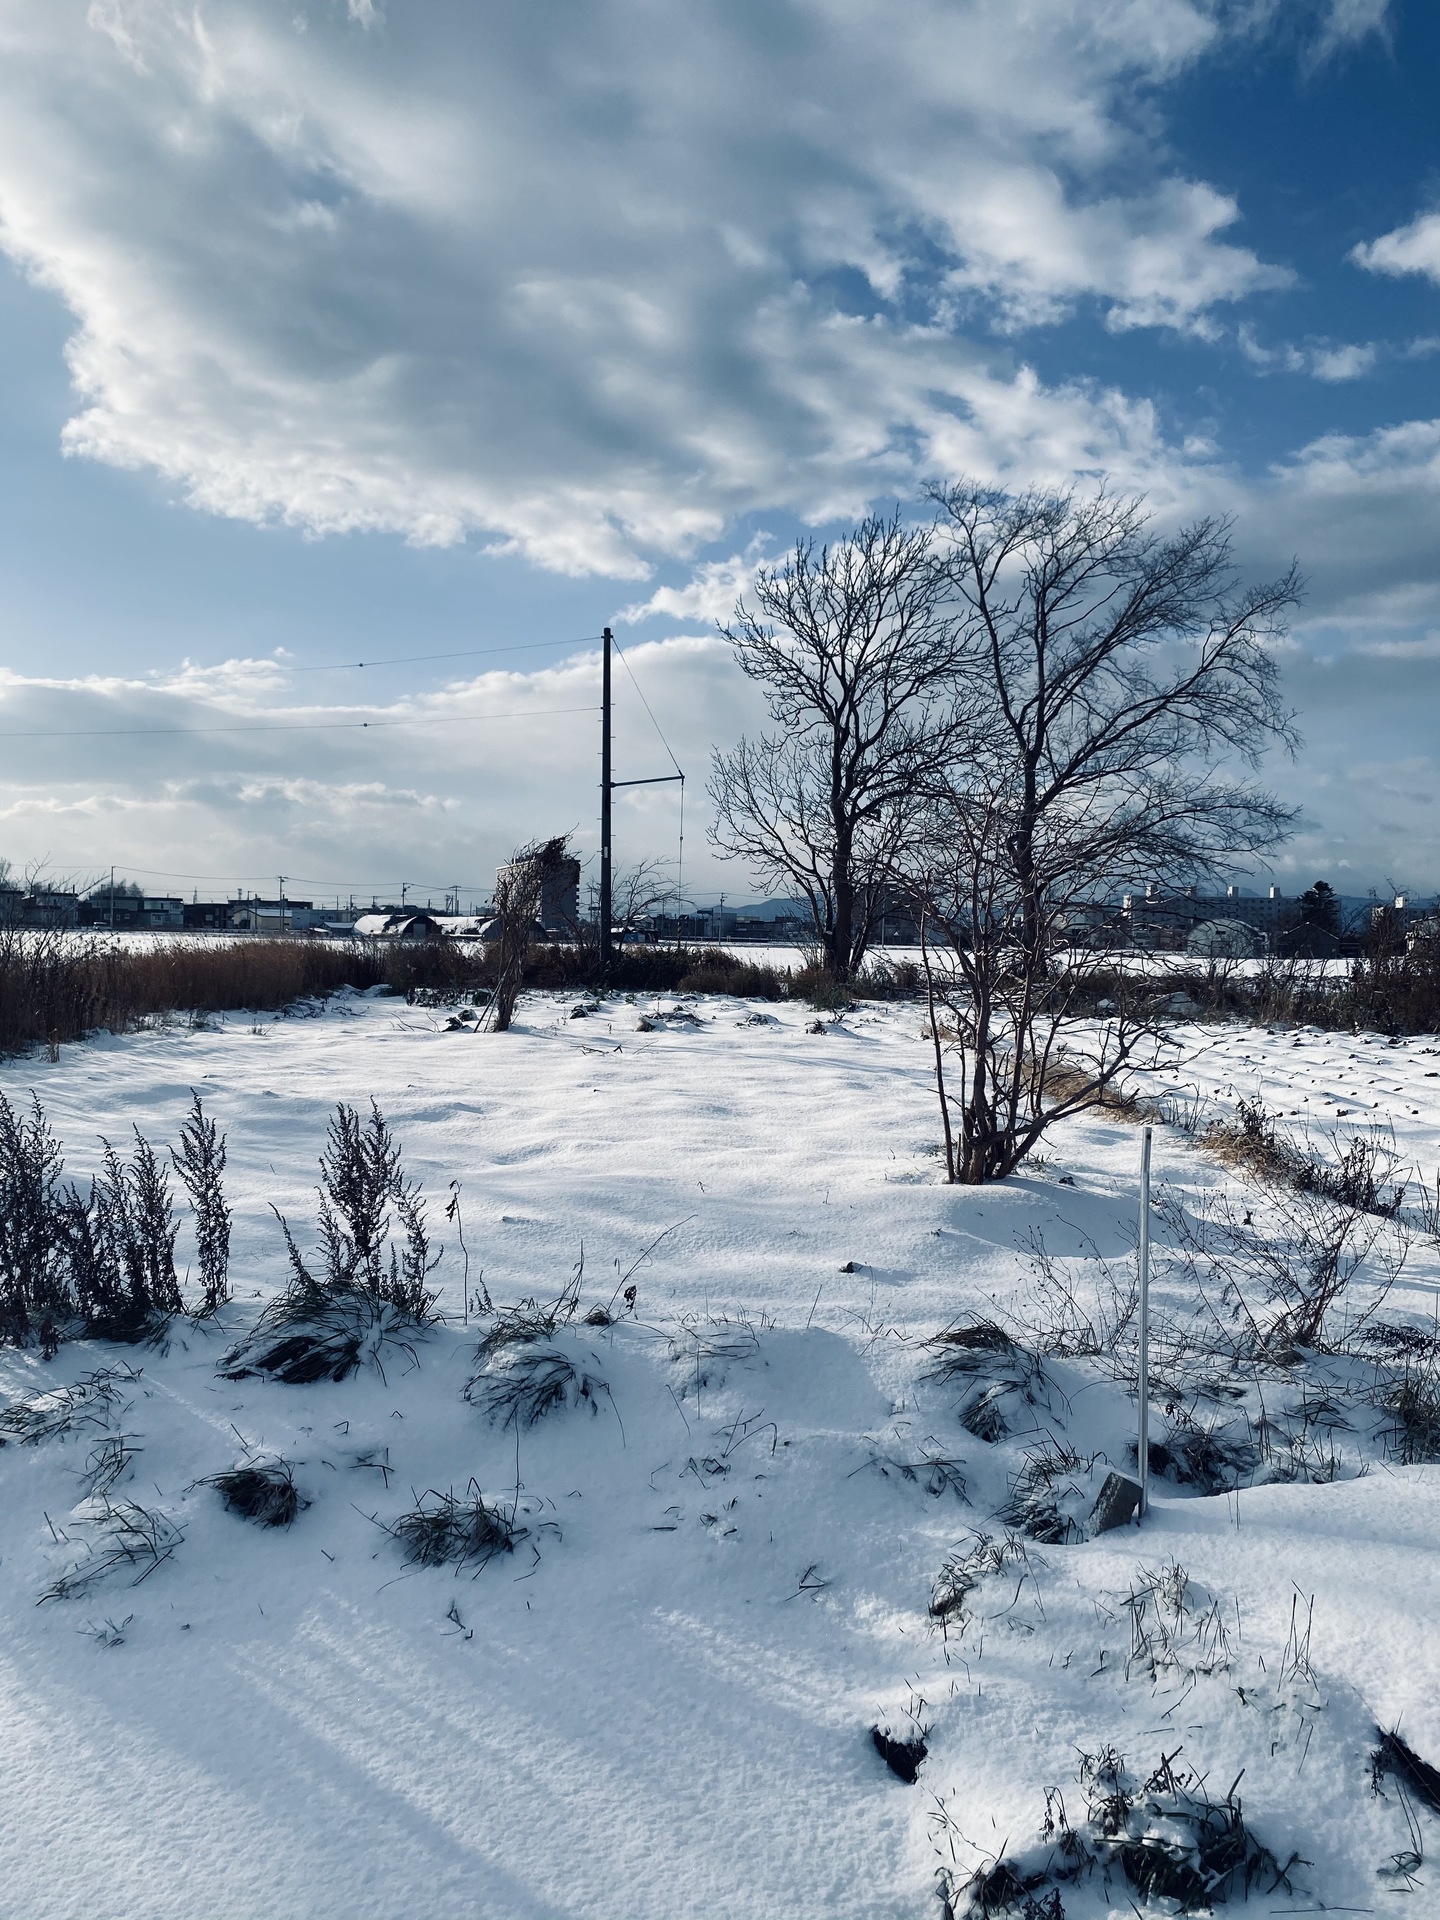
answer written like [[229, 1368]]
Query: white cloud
[[710, 593], [571, 277], [1342, 363], [437, 789], [1320, 361], [1348, 22], [1411, 249]]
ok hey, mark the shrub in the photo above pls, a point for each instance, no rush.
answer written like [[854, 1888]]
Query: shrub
[[57, 986], [200, 1163], [325, 1326], [261, 1490], [101, 1262], [363, 1192], [442, 1530], [126, 1539]]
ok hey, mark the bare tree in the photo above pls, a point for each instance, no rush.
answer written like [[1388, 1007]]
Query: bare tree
[[1113, 670], [635, 894], [1011, 1057], [519, 887], [855, 653], [1107, 674]]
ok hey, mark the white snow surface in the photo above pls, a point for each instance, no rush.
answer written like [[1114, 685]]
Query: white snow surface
[[659, 1704]]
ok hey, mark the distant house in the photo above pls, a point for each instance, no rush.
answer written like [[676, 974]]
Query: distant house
[[207, 915], [400, 925], [1225, 940], [41, 907], [275, 916], [126, 910]]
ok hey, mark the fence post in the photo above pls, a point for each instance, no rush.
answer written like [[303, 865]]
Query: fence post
[[1143, 1448]]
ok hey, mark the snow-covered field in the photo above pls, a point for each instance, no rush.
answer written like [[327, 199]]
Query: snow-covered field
[[659, 1705]]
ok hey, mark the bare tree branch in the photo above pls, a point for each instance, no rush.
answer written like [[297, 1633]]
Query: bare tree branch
[[857, 657]]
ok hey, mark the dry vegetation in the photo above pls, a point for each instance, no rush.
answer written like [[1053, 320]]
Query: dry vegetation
[[56, 988]]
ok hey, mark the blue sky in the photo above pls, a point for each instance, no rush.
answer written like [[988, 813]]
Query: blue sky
[[337, 330]]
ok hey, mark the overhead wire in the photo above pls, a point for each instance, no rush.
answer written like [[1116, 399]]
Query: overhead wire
[[465, 653], [646, 704], [288, 726], [680, 851], [370, 885]]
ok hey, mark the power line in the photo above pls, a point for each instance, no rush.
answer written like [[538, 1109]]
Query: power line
[[467, 653], [646, 704], [311, 880], [302, 726]]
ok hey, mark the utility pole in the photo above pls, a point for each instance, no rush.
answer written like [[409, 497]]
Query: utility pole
[[112, 899], [282, 903], [606, 901]]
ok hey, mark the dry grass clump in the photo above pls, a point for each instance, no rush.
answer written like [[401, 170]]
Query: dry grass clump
[[445, 1530], [1362, 1173], [705, 1346], [1173, 1627], [1212, 1454], [1164, 1839], [313, 1332], [324, 1326], [1409, 1395], [1050, 1495], [523, 1382], [260, 1490], [520, 1374], [90, 1403], [1415, 1775], [965, 1570], [1000, 1373], [127, 1538]]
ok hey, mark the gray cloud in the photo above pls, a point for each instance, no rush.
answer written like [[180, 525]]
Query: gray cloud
[[568, 275]]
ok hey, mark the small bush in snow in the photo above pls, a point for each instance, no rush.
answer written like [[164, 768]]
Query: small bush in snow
[[368, 1292], [442, 1530], [363, 1191], [1165, 1839], [200, 1163], [89, 1404], [125, 1539], [524, 1381], [261, 1490], [102, 1262]]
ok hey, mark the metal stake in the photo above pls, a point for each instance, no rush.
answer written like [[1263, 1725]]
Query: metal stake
[[1143, 1451]]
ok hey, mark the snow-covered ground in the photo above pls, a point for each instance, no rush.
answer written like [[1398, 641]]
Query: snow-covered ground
[[659, 1705]]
